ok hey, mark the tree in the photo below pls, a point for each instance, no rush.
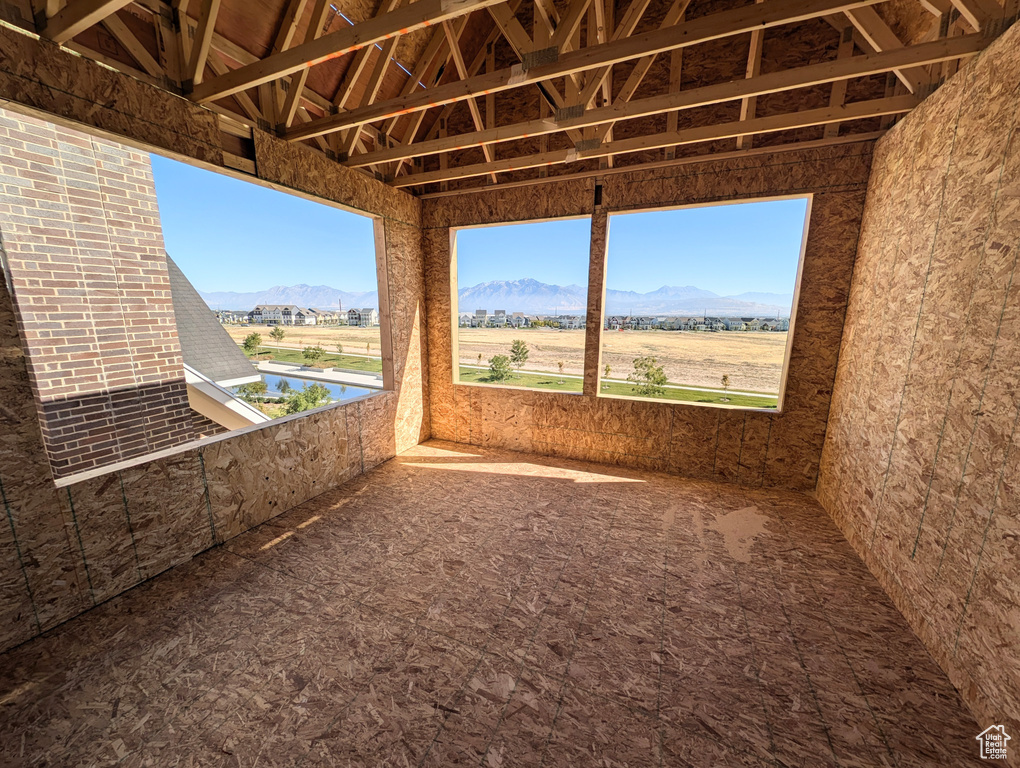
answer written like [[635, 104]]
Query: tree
[[277, 334], [283, 386], [251, 343], [649, 379], [499, 368], [726, 381], [605, 375], [253, 391], [368, 348], [561, 365], [312, 354], [518, 353], [479, 359], [310, 396], [338, 345]]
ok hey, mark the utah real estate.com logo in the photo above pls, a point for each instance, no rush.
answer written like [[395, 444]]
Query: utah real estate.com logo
[[993, 742]]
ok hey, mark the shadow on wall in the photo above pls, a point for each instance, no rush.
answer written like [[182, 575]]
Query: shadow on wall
[[87, 431]]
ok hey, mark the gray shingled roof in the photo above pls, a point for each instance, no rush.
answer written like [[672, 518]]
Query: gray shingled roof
[[205, 344]]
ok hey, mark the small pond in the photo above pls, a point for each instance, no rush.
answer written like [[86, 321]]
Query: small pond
[[337, 391]]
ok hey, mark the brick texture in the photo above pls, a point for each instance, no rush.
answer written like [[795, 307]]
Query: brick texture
[[85, 254]]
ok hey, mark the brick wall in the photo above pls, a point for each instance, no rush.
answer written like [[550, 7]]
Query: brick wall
[[85, 255]]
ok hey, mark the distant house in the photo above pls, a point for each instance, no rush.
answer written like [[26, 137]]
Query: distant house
[[571, 322], [498, 319], [481, 317], [364, 317], [283, 314], [328, 316], [519, 320], [464, 319]]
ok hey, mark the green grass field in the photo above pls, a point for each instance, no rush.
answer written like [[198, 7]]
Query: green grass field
[[347, 362], [553, 382]]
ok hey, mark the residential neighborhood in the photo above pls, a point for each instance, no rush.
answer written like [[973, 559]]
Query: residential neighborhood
[[292, 314], [703, 323], [500, 318]]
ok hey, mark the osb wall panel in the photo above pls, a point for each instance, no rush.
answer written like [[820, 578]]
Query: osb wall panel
[[64, 550], [922, 457], [747, 447]]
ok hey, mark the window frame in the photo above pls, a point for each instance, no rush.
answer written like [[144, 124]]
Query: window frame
[[455, 301], [784, 376]]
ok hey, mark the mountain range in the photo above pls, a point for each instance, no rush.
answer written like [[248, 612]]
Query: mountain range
[[315, 296], [534, 297], [530, 296]]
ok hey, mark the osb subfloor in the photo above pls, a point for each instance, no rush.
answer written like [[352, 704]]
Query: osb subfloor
[[460, 606]]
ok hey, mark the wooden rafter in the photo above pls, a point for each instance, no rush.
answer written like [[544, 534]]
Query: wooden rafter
[[711, 27], [116, 27], [793, 146], [881, 37], [297, 83], [749, 104], [837, 96], [800, 77], [773, 123], [203, 40], [979, 13], [421, 14], [476, 114], [77, 16]]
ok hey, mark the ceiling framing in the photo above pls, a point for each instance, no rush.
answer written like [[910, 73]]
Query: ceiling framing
[[440, 96]]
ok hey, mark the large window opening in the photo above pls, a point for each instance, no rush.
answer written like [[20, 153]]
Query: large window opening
[[520, 304], [700, 302], [291, 283], [160, 303]]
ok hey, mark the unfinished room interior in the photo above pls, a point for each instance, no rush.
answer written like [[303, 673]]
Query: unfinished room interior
[[650, 399]]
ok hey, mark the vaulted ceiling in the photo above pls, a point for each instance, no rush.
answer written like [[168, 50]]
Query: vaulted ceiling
[[447, 95]]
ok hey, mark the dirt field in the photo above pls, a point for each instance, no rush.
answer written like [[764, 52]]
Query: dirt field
[[753, 361], [299, 337]]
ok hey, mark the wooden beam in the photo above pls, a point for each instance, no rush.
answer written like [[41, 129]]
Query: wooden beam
[[77, 16], [749, 104], [637, 75], [874, 29], [203, 40], [458, 59], [628, 24], [773, 123], [979, 13], [289, 25], [711, 27], [375, 80], [297, 83], [409, 18], [794, 146], [218, 66], [570, 23], [801, 77], [116, 27], [358, 66], [837, 96]]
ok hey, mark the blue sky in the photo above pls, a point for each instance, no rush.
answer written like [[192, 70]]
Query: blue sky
[[554, 252], [728, 249], [231, 235]]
